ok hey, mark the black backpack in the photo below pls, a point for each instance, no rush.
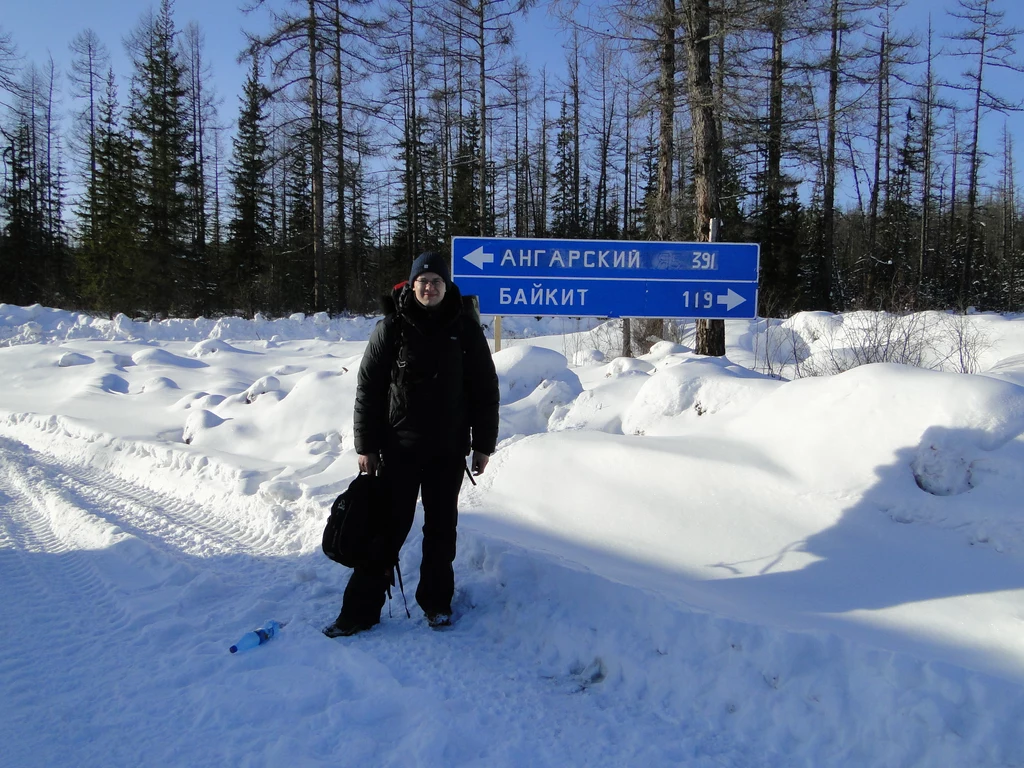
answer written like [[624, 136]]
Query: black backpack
[[355, 534]]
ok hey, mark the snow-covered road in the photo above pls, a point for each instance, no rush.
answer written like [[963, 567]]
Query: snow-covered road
[[117, 598], [670, 561]]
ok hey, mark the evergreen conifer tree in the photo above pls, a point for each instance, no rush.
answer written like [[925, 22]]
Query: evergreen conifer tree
[[249, 228], [564, 206], [109, 250], [466, 218], [33, 251], [21, 246], [158, 123], [295, 272]]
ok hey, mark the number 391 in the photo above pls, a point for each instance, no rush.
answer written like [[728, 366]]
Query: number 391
[[704, 260]]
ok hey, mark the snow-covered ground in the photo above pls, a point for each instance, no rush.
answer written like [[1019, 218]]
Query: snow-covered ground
[[670, 561]]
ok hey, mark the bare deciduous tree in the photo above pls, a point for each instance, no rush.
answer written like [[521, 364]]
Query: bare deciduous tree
[[988, 44], [9, 65], [89, 65]]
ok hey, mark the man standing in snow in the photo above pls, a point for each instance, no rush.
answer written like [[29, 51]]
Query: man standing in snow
[[427, 395]]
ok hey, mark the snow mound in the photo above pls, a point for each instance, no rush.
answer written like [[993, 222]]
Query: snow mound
[[261, 387], [662, 349], [110, 383], [940, 468], [531, 414], [197, 424], [695, 386], [600, 408], [628, 366], [156, 356], [288, 370], [158, 384], [522, 368], [212, 347], [71, 359], [309, 408], [198, 400]]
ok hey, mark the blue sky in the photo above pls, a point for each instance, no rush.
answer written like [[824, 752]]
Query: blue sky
[[46, 27], [42, 27]]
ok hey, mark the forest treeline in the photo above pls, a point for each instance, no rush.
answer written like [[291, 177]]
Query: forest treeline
[[368, 132]]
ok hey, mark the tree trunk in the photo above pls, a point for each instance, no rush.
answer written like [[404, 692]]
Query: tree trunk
[[953, 227], [541, 223], [1009, 221], [342, 254], [627, 200], [966, 285], [828, 206], [876, 182], [667, 24], [574, 79], [317, 165], [926, 163], [482, 31], [706, 149], [773, 271], [518, 202]]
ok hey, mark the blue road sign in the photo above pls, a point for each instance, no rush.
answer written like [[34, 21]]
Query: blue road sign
[[607, 278]]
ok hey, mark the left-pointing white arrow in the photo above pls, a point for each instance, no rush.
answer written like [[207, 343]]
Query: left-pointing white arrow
[[478, 258], [731, 300]]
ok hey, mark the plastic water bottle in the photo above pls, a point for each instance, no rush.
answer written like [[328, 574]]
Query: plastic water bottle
[[256, 637]]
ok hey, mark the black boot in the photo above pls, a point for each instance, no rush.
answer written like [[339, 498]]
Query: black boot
[[346, 627], [361, 606]]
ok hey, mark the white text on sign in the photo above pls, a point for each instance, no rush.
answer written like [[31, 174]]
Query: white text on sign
[[538, 296], [572, 259]]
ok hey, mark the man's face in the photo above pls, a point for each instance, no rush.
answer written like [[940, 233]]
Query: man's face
[[429, 289]]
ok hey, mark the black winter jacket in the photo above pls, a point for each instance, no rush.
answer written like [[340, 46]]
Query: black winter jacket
[[442, 397]]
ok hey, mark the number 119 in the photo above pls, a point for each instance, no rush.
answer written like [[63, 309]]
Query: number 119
[[701, 300]]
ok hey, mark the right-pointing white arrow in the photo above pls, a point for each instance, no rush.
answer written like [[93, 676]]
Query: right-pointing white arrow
[[731, 300], [478, 258]]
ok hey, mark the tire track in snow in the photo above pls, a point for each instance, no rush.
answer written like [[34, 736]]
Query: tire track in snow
[[159, 518], [105, 570], [168, 522], [47, 549], [209, 545], [187, 489], [42, 524]]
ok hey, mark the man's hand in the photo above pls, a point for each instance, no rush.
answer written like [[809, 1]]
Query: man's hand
[[479, 462], [368, 463]]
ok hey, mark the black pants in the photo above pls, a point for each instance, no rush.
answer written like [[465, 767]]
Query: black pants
[[439, 480]]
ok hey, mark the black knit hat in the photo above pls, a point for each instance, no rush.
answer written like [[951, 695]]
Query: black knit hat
[[430, 262]]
